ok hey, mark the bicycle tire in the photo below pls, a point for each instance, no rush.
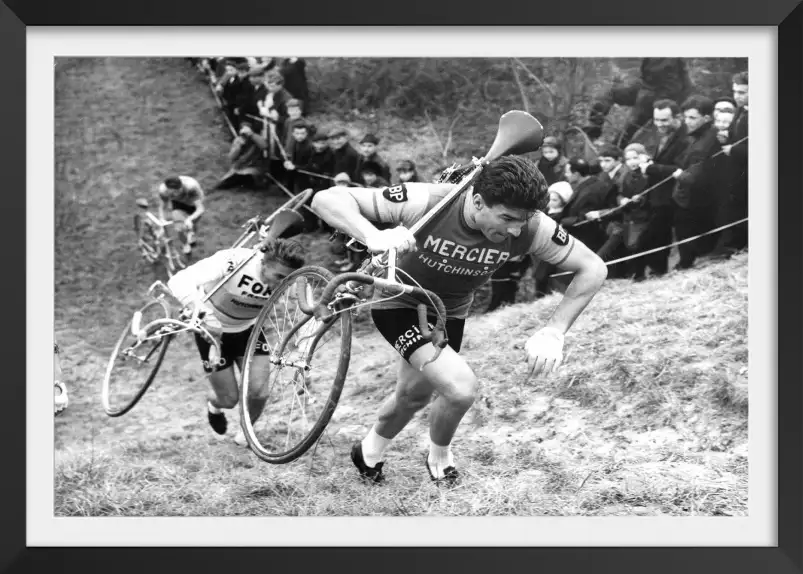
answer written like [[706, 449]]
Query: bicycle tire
[[162, 349], [344, 319]]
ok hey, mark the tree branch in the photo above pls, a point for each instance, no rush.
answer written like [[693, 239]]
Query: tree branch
[[524, 100]]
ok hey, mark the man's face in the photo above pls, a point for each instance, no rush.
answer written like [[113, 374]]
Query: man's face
[[320, 145], [549, 153], [273, 271], [273, 86], [230, 70], [499, 222], [740, 94], [369, 177], [693, 119], [300, 134], [294, 112], [337, 142], [608, 163], [663, 120], [367, 149], [723, 121], [405, 174], [256, 79]]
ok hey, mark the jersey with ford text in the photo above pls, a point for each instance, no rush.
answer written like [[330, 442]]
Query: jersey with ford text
[[453, 260], [239, 300]]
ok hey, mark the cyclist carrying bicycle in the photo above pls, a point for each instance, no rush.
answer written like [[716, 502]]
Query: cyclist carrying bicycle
[[230, 314], [184, 198], [498, 218]]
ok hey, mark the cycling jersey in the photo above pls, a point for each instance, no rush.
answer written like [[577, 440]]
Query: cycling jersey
[[453, 260], [238, 301], [185, 197]]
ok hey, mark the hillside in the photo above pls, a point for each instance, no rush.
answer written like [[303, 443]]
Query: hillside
[[648, 415]]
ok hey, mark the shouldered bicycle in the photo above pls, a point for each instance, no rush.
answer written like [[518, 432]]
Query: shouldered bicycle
[[312, 308], [140, 349]]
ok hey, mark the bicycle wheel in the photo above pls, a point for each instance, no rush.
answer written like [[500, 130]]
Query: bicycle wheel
[[306, 373], [133, 365]]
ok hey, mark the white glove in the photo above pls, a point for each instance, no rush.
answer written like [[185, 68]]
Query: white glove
[[544, 352], [400, 238]]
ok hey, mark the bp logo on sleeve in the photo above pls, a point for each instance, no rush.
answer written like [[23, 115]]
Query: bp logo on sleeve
[[395, 193], [561, 237]]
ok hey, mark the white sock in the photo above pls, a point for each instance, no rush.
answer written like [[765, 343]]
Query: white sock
[[440, 458], [213, 409], [373, 448]]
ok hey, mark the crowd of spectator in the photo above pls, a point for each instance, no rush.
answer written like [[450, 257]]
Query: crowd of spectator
[[680, 172], [677, 170], [266, 103]]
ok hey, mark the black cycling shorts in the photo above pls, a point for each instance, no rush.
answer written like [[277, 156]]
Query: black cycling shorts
[[400, 329], [232, 346], [188, 209]]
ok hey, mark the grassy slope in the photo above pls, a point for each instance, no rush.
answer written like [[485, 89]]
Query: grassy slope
[[648, 416]]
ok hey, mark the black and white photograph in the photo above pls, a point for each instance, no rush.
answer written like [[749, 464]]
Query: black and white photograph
[[407, 286], [348, 293]]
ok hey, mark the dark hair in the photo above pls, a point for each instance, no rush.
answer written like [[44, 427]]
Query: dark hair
[[579, 165], [741, 79], [702, 104], [513, 181], [301, 125], [285, 251], [666, 103], [610, 150], [173, 182]]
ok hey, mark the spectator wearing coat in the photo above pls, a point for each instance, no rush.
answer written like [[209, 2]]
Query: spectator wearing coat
[[552, 164], [665, 142]]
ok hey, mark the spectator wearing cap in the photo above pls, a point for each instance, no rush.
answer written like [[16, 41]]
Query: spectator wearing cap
[[346, 157], [370, 174], [590, 196], [659, 78], [227, 87], [295, 116], [240, 93], [342, 180], [552, 164], [406, 172], [665, 142], [694, 194], [724, 104], [253, 92], [368, 152]]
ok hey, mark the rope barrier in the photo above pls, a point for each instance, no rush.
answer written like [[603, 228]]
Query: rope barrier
[[607, 212], [670, 246]]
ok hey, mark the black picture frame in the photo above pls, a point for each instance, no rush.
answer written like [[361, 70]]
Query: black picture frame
[[787, 15]]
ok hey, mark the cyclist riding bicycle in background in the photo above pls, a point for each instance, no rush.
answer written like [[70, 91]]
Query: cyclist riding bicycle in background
[[60, 399], [499, 218], [230, 314], [184, 198]]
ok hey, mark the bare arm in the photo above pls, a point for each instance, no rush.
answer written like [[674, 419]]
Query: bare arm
[[554, 245], [590, 273]]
